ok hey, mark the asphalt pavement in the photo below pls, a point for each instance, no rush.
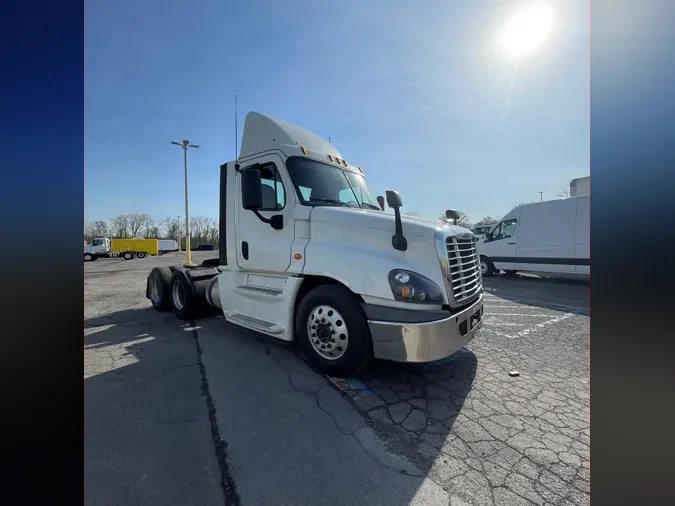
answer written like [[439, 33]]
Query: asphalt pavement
[[207, 413]]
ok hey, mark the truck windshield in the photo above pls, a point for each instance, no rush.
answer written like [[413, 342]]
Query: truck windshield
[[323, 184]]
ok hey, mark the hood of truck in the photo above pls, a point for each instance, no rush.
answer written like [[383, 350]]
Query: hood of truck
[[369, 219]]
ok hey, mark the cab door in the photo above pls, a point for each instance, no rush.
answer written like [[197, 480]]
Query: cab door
[[259, 246], [502, 245]]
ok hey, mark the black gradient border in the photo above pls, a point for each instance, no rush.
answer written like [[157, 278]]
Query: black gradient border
[[42, 198]]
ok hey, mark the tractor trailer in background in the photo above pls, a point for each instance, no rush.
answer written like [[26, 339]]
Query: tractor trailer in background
[[103, 247], [307, 255]]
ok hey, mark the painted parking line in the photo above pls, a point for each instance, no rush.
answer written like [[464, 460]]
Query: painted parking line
[[557, 319], [522, 314]]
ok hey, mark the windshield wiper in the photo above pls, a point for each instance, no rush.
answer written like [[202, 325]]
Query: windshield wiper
[[330, 201], [371, 206]]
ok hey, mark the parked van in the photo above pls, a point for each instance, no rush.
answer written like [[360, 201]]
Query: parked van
[[548, 238]]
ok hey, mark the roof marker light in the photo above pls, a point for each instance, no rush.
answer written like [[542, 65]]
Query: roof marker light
[[304, 151], [330, 157], [344, 162]]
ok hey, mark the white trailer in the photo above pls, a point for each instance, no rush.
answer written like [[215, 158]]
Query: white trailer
[[167, 246], [307, 255]]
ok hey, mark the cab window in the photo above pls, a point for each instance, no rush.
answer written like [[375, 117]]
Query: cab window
[[504, 230], [273, 193]]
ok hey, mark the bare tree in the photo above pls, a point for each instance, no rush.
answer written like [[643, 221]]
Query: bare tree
[[211, 232], [488, 220], [136, 223], [120, 226], [172, 228], [563, 194], [151, 228]]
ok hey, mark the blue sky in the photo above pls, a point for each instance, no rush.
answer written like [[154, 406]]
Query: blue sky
[[417, 93]]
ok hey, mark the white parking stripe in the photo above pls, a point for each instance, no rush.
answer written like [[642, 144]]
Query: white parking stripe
[[524, 332], [521, 314]]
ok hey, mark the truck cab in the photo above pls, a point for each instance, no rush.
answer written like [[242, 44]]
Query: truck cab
[[99, 247], [308, 255]]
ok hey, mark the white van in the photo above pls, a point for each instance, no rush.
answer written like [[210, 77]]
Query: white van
[[548, 238]]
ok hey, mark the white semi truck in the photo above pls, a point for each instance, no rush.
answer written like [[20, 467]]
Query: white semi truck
[[306, 254]]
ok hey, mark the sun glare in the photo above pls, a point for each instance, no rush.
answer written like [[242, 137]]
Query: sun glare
[[527, 30]]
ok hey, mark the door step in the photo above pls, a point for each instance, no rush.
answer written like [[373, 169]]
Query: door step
[[255, 323]]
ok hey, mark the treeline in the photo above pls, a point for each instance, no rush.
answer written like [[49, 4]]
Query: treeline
[[203, 230]]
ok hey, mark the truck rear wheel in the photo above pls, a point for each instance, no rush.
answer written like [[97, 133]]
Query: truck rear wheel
[[128, 255], [141, 254], [159, 286], [185, 304], [332, 330]]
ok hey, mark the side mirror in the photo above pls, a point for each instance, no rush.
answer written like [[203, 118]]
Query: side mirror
[[398, 241], [394, 199], [380, 200], [251, 189]]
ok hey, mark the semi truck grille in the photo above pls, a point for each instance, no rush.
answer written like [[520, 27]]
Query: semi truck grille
[[464, 272]]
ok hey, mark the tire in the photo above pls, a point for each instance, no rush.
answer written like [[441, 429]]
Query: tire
[[343, 313], [128, 255], [160, 253], [88, 257], [141, 254], [159, 283], [183, 301], [487, 268]]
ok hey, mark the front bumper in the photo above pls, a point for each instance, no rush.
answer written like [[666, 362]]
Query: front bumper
[[426, 341]]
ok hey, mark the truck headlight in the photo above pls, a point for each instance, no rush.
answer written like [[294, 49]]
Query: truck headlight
[[409, 286]]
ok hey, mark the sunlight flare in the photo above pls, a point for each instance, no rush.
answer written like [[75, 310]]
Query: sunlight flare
[[527, 29]]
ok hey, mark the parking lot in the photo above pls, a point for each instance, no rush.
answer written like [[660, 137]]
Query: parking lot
[[211, 414]]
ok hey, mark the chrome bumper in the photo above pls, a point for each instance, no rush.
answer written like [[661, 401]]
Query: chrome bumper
[[428, 341]]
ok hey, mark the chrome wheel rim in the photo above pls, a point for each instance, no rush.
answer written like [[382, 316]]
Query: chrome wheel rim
[[178, 295], [327, 332], [87, 257], [483, 267]]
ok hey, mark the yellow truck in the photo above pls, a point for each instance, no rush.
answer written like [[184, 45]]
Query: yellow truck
[[103, 247]]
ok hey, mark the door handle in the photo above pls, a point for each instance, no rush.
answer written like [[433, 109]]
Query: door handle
[[512, 243], [244, 250]]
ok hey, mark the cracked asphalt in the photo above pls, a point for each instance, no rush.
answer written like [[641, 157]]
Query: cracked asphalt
[[206, 413]]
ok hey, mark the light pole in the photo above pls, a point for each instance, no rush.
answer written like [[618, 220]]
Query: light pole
[[541, 195], [185, 145]]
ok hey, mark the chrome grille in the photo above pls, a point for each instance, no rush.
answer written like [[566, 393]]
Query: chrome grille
[[463, 268]]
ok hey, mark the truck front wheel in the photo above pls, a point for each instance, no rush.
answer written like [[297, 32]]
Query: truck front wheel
[[128, 256], [486, 267], [333, 332], [88, 257]]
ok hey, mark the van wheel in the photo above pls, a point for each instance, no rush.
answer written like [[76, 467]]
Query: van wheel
[[487, 268], [88, 257], [141, 254], [159, 286], [333, 332], [128, 256]]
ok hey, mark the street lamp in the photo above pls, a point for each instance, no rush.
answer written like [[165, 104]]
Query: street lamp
[[186, 145]]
